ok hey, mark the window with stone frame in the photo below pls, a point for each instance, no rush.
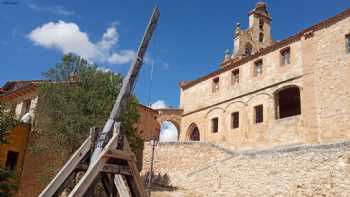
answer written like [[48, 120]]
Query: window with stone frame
[[215, 125], [26, 106], [259, 114], [235, 120], [261, 37], [347, 39], [11, 160], [235, 77], [258, 67], [285, 56], [216, 84]]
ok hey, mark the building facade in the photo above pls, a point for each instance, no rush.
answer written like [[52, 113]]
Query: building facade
[[269, 93]]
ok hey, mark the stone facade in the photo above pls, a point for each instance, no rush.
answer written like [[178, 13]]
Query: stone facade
[[317, 66], [205, 169]]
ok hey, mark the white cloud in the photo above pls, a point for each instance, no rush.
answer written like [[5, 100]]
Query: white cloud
[[65, 37], [103, 69], [160, 104], [68, 38], [109, 38], [121, 57], [168, 132], [58, 10]]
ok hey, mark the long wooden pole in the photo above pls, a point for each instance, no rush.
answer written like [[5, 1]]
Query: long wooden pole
[[125, 91]]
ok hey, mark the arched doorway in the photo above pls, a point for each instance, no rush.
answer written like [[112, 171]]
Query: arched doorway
[[193, 133], [168, 132], [287, 102]]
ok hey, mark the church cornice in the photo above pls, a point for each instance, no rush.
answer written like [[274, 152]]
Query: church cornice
[[232, 63]]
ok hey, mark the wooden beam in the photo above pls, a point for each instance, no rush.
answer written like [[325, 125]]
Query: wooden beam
[[67, 169], [94, 170], [108, 168], [135, 172], [118, 154], [116, 169], [122, 186], [108, 185]]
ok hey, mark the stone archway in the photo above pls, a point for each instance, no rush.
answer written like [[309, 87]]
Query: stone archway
[[170, 115]]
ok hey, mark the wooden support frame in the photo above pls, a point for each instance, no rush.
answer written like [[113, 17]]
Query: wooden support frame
[[116, 178]]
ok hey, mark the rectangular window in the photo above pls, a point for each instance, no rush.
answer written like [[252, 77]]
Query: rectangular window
[[259, 113], [285, 56], [11, 160], [215, 125], [26, 106], [347, 43], [235, 120], [258, 67], [216, 83], [235, 77]]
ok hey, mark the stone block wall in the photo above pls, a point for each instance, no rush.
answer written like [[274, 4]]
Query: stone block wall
[[205, 169]]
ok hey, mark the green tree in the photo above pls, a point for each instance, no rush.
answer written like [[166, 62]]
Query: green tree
[[7, 122], [71, 104]]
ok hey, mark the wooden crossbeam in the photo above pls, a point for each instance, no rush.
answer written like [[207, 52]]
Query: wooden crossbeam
[[94, 170], [119, 154], [108, 168]]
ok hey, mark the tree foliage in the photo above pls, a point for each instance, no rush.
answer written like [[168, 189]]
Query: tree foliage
[[7, 121], [68, 107]]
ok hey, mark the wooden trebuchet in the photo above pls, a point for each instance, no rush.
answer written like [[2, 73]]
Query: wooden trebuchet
[[127, 87], [107, 157]]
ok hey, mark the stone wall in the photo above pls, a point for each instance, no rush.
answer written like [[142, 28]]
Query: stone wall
[[205, 169]]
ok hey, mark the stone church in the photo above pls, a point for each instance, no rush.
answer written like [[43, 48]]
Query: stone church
[[272, 93]]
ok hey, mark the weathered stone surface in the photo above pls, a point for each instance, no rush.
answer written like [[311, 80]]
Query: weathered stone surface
[[205, 169]]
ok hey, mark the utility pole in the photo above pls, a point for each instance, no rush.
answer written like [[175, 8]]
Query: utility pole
[[154, 144]]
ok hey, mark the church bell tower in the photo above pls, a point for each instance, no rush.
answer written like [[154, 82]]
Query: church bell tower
[[257, 36]]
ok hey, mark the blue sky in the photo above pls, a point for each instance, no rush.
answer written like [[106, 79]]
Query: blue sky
[[189, 42]]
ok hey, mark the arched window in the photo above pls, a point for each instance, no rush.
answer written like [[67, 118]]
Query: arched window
[[261, 37], [287, 102], [248, 49]]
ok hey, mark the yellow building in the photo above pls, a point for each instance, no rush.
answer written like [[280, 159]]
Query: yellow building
[[22, 97]]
